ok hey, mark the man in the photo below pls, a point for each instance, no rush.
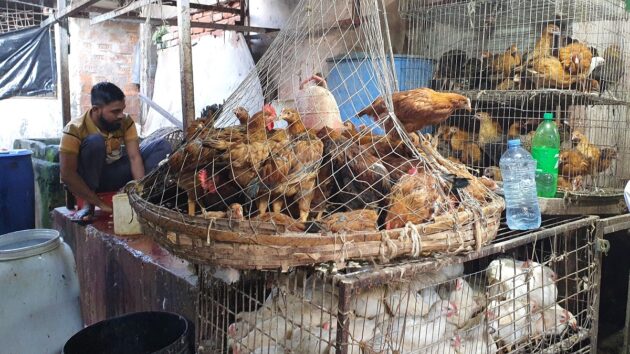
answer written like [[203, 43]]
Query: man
[[91, 151]]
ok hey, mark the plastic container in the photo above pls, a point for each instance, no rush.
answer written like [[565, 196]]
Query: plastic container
[[546, 151], [135, 333], [125, 218], [17, 191], [519, 186], [353, 82], [40, 306]]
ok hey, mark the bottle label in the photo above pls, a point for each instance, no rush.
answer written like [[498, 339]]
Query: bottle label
[[547, 158]]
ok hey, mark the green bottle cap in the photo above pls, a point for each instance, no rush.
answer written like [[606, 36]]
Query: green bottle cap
[[548, 116]]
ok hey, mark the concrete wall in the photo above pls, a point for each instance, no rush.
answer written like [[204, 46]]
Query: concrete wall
[[97, 53], [29, 117], [102, 52]]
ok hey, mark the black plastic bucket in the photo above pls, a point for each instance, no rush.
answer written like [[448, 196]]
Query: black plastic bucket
[[135, 333]]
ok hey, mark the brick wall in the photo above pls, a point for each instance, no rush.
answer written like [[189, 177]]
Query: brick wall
[[172, 38], [103, 52]]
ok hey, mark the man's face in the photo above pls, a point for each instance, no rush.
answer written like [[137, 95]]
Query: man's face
[[110, 116]]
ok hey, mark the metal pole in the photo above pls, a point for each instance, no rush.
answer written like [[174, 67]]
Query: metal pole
[[185, 62], [64, 80]]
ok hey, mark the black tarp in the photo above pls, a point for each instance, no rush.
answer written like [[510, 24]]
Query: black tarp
[[27, 63]]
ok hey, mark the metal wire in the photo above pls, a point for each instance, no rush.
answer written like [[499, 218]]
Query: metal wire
[[17, 15], [487, 50], [536, 297]]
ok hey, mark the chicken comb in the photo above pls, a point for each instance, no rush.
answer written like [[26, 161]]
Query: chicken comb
[[203, 177], [268, 108]]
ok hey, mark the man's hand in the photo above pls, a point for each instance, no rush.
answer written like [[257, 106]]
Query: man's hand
[[76, 184]]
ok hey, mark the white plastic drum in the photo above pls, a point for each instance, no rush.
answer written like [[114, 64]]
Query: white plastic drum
[[39, 292]]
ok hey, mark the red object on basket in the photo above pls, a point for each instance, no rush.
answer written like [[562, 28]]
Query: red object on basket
[[105, 196]]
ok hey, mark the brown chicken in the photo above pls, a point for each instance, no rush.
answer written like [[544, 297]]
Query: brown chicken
[[544, 45], [418, 108], [243, 151], [573, 163], [234, 212], [471, 155], [291, 171], [606, 157], [412, 199], [514, 131], [490, 130], [548, 72], [361, 180], [358, 220], [504, 63], [494, 173], [570, 185], [459, 139], [323, 189], [575, 58], [280, 220], [581, 143]]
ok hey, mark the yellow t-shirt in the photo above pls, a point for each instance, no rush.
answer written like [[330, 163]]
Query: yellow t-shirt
[[79, 128]]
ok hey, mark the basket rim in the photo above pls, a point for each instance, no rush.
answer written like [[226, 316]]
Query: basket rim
[[224, 230]]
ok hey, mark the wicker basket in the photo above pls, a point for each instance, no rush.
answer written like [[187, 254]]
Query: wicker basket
[[249, 244], [224, 243]]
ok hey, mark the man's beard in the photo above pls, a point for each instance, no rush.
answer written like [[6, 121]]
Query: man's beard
[[107, 126]]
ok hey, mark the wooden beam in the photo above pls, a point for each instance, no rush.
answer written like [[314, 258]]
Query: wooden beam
[[64, 12], [204, 7], [185, 63], [121, 11], [64, 77], [217, 26]]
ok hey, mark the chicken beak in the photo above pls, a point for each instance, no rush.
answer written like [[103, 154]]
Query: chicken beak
[[468, 105]]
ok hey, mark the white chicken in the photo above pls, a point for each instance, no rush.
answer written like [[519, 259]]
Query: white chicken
[[319, 339], [541, 284], [427, 279], [465, 299], [453, 271], [322, 339], [369, 304], [554, 321], [410, 334], [510, 321], [526, 281], [430, 296], [475, 345], [404, 302], [272, 332]]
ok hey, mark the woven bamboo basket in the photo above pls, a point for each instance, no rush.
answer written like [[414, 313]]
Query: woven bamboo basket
[[248, 244]]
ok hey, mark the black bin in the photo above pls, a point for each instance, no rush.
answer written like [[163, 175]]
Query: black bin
[[135, 333]]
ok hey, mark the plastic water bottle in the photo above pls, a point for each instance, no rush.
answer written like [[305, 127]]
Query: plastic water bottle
[[546, 152], [519, 186]]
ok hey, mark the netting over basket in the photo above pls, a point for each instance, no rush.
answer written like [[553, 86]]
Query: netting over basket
[[246, 192]]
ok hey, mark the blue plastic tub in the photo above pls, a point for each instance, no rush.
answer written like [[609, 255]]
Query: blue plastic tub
[[17, 191], [352, 82]]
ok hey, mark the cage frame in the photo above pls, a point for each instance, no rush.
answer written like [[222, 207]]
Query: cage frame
[[350, 285]]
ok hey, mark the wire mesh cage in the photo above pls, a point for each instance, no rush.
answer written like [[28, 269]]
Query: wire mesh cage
[[17, 15], [331, 174], [520, 59], [530, 293]]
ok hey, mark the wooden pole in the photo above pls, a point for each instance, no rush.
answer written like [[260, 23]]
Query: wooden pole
[[185, 62], [64, 79], [146, 86]]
